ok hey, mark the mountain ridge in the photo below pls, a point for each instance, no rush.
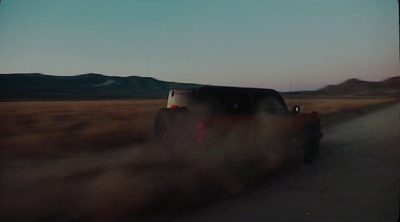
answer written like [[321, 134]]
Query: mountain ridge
[[38, 86], [357, 87]]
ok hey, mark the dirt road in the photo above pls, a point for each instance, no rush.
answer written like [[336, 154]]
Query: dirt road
[[357, 178]]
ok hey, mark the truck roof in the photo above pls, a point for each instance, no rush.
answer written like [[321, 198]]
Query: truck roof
[[206, 98], [209, 90], [238, 90]]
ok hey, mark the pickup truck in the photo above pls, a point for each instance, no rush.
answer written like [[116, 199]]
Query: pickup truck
[[206, 114]]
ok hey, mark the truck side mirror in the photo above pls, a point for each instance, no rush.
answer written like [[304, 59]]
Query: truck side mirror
[[296, 109]]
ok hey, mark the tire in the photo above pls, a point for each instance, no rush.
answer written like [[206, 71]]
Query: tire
[[310, 146], [161, 127], [170, 126]]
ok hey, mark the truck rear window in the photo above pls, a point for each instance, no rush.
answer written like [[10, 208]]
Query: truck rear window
[[232, 104]]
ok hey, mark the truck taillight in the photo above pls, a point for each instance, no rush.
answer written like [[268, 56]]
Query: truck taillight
[[201, 132]]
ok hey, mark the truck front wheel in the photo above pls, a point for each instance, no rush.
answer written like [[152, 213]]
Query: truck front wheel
[[310, 149], [310, 145]]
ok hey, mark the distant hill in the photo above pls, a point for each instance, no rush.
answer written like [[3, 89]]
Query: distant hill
[[356, 87], [36, 86]]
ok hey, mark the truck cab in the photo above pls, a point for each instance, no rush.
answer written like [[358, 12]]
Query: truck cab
[[208, 113]]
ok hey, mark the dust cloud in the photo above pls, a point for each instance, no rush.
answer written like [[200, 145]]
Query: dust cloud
[[122, 183]]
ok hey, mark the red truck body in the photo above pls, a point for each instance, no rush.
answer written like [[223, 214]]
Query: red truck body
[[206, 114]]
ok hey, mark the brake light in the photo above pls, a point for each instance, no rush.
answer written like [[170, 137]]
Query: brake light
[[201, 132], [173, 107]]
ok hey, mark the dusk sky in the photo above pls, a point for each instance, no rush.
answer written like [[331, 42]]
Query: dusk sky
[[221, 42]]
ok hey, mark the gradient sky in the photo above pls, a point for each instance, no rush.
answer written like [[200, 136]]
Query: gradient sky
[[223, 42]]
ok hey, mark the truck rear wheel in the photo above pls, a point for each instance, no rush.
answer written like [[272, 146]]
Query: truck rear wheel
[[162, 131], [161, 127], [171, 126]]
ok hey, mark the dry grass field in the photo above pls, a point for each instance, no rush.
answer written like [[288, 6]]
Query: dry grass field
[[95, 160], [332, 106], [46, 128]]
